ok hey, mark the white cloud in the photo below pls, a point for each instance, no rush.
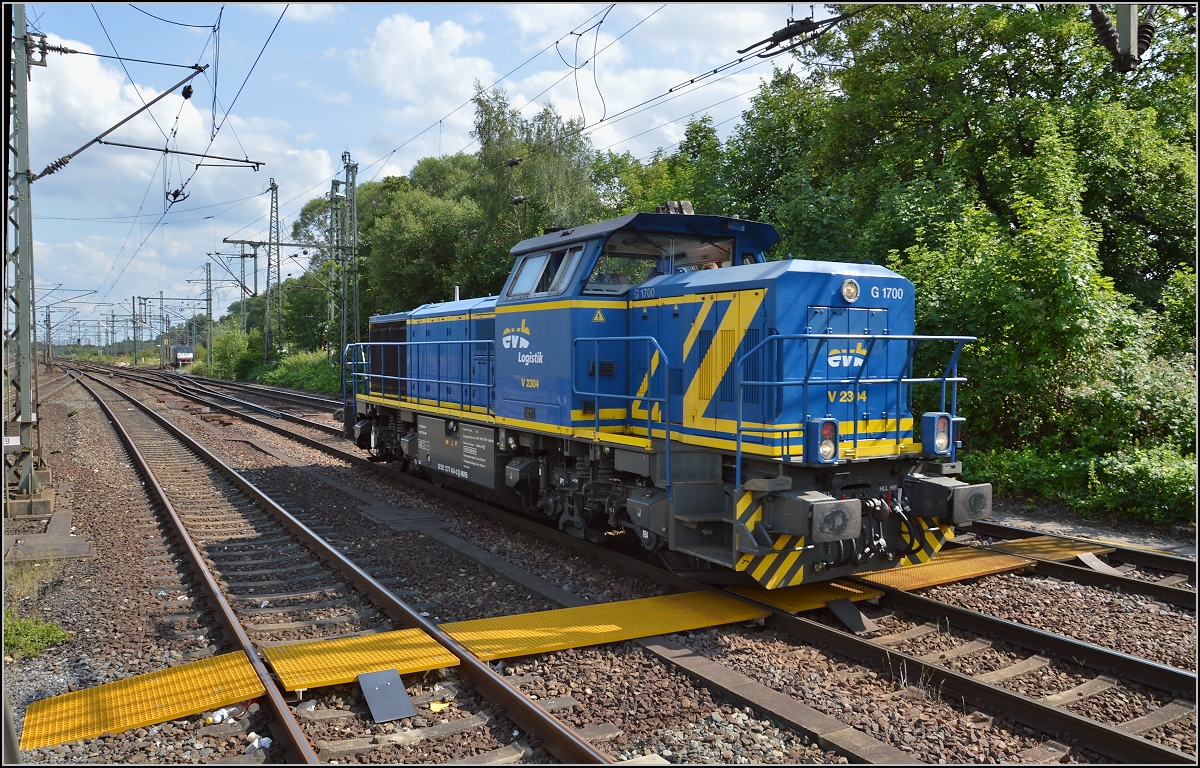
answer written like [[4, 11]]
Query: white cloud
[[412, 60], [305, 12], [80, 97], [314, 11]]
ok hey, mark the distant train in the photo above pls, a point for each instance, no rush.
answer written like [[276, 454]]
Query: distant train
[[182, 356], [655, 374]]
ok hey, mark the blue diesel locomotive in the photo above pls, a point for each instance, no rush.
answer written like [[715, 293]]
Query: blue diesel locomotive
[[655, 374]]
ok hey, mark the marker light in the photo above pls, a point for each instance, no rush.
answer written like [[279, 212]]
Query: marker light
[[850, 291], [821, 441], [935, 432]]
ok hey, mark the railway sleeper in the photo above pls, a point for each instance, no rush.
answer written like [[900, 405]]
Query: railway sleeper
[[336, 750], [346, 618], [446, 692]]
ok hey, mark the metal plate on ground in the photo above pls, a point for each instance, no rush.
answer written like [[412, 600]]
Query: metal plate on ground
[[852, 617], [806, 597], [945, 567], [385, 695]]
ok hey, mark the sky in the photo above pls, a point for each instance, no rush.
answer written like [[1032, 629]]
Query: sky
[[296, 87]]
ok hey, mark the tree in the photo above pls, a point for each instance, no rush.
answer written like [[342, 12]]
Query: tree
[[229, 345]]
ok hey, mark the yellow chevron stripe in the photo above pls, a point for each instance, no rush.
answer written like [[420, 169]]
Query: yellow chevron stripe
[[701, 316], [740, 313], [744, 503], [636, 409], [788, 561]]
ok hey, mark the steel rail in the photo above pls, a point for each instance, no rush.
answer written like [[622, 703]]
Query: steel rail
[[1159, 561], [560, 740], [180, 386], [1109, 741], [1182, 598], [266, 391], [295, 743], [1160, 676]]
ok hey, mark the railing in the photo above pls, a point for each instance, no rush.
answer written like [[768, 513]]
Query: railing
[[665, 400], [357, 365], [949, 377]]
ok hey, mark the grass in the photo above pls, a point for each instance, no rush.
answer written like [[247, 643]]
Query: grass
[[27, 635]]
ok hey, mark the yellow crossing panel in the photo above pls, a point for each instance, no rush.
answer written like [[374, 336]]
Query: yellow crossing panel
[[806, 597], [507, 636], [143, 700], [330, 662], [1049, 548], [945, 567]]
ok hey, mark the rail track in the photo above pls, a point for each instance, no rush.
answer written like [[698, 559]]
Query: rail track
[[1112, 740], [247, 539]]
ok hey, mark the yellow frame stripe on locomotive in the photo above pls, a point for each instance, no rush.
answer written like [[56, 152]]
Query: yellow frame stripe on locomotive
[[452, 318], [621, 435]]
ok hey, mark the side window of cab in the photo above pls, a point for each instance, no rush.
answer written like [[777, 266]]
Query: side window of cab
[[545, 274]]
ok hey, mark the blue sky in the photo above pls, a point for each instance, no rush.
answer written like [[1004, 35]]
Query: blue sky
[[385, 82]]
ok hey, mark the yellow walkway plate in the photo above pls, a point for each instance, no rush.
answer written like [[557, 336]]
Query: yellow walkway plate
[[1049, 548], [947, 566], [143, 700], [806, 597], [507, 636], [330, 662]]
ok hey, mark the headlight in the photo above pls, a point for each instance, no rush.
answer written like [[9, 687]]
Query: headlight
[[935, 433], [942, 435], [821, 441], [850, 291]]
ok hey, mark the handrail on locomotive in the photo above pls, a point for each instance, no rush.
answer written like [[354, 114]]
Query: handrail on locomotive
[[949, 376], [355, 376], [665, 400]]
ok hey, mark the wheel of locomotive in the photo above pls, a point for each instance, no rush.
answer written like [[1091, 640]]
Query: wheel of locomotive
[[677, 561]]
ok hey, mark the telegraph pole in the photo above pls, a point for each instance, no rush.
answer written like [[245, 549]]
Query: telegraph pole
[[350, 238], [208, 310], [273, 316], [22, 487], [337, 279]]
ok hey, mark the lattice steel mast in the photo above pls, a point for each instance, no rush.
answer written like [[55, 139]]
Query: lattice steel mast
[[20, 360]]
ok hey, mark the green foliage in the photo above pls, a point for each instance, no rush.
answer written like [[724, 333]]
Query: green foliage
[[249, 363], [1036, 198], [229, 344], [1175, 334], [310, 371], [1156, 484], [306, 310], [28, 637]]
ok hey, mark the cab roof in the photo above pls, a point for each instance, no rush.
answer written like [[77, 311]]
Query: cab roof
[[754, 234]]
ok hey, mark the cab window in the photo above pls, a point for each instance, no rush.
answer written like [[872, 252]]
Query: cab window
[[528, 274], [545, 273], [631, 257]]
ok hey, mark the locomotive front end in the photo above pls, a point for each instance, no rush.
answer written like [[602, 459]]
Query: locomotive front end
[[857, 482]]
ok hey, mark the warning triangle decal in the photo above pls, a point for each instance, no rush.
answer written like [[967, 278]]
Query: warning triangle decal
[[598, 317]]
